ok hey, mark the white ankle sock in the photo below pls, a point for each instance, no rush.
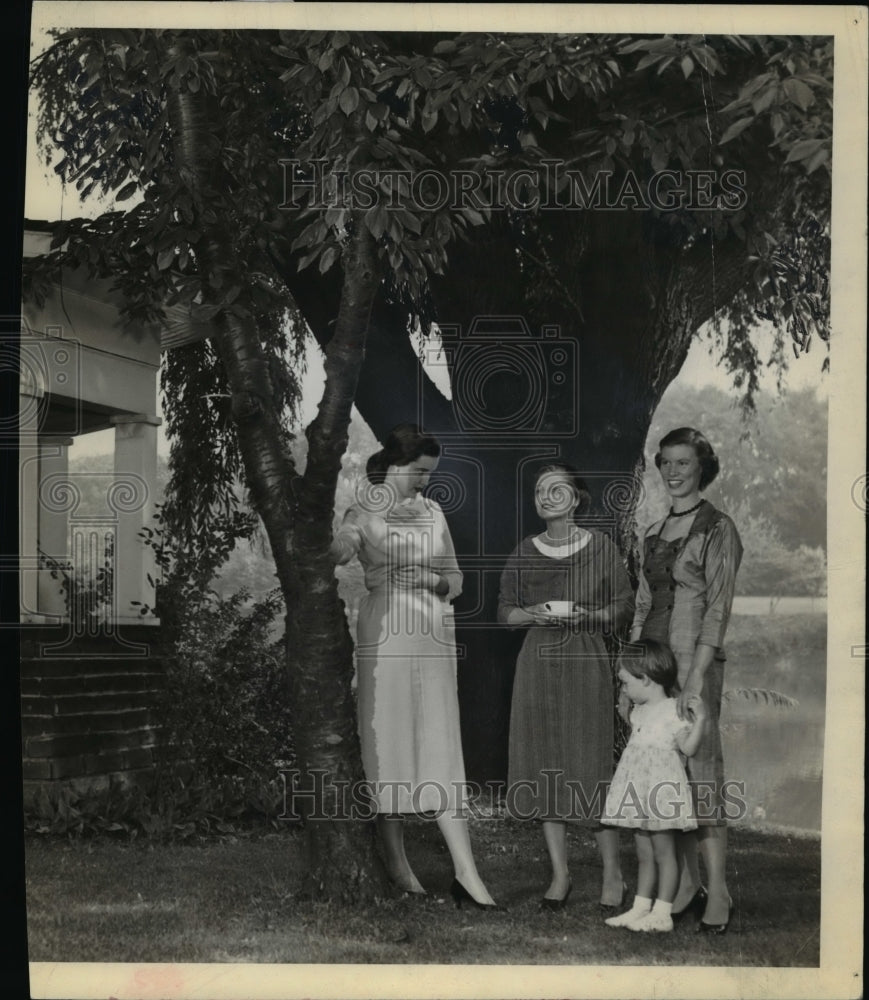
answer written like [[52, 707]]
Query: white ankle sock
[[665, 909], [639, 908]]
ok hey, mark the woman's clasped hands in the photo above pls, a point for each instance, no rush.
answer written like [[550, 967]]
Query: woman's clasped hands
[[415, 577]]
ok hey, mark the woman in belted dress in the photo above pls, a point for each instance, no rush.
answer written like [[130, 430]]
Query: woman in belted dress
[[684, 598]]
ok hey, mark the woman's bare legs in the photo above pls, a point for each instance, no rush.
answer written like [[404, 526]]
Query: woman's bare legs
[[391, 829], [713, 850], [689, 870], [555, 835], [454, 828], [612, 888]]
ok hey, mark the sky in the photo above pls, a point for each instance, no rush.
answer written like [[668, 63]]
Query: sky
[[47, 199]]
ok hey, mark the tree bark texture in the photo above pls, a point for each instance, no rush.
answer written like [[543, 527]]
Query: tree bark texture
[[341, 861], [297, 516]]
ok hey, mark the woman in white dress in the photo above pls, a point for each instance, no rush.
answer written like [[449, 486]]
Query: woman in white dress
[[406, 657]]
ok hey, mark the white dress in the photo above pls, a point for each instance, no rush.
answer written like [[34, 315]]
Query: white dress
[[649, 790], [408, 707]]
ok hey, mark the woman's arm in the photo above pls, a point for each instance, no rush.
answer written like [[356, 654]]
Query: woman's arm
[[615, 584], [348, 538], [445, 565], [723, 555], [510, 610]]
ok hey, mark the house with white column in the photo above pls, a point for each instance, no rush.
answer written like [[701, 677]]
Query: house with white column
[[91, 670]]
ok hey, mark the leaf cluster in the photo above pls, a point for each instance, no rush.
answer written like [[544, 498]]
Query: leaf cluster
[[398, 112]]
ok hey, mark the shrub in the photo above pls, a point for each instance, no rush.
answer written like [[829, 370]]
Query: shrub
[[225, 708], [170, 809]]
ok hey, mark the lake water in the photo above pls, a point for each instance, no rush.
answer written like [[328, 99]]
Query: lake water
[[779, 605], [776, 751], [778, 754]]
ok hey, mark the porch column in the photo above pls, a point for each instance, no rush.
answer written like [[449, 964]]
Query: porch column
[[31, 390], [57, 497], [132, 498]]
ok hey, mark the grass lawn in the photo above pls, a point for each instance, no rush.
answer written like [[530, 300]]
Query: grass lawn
[[232, 900]]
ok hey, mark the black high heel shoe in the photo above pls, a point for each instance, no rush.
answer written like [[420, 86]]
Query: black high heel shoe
[[460, 895], [546, 903], [696, 905], [615, 907], [704, 928]]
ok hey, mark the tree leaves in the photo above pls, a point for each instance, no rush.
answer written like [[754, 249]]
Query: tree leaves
[[798, 93], [328, 258], [361, 102], [349, 100], [165, 258], [737, 128], [127, 191]]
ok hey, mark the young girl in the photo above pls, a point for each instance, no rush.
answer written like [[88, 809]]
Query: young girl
[[649, 791]]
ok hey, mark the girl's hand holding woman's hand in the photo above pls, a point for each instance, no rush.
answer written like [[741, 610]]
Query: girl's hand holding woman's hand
[[695, 708], [689, 692]]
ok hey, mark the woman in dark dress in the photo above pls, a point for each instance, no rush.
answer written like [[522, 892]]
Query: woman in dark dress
[[690, 560], [561, 723]]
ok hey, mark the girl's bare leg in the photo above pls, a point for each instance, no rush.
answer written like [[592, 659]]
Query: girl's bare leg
[[664, 848], [646, 874]]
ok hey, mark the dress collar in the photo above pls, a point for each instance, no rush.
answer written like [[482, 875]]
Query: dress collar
[[561, 549]]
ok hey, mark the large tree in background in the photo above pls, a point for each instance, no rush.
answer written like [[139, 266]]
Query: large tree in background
[[627, 285], [202, 126]]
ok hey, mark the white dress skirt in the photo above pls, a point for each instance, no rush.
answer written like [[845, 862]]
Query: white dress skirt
[[649, 790], [408, 709]]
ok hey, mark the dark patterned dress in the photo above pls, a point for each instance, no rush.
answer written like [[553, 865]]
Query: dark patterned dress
[[561, 721], [684, 598]]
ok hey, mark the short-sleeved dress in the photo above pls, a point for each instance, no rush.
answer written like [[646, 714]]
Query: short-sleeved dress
[[561, 717], [406, 661], [649, 790], [684, 598]]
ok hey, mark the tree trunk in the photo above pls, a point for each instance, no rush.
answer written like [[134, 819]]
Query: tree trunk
[[342, 862], [297, 516]]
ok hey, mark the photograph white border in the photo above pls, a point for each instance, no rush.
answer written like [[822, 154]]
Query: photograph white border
[[840, 972]]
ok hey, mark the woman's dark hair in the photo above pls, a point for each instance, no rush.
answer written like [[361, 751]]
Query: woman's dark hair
[[709, 464], [404, 445], [580, 488], [657, 663]]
